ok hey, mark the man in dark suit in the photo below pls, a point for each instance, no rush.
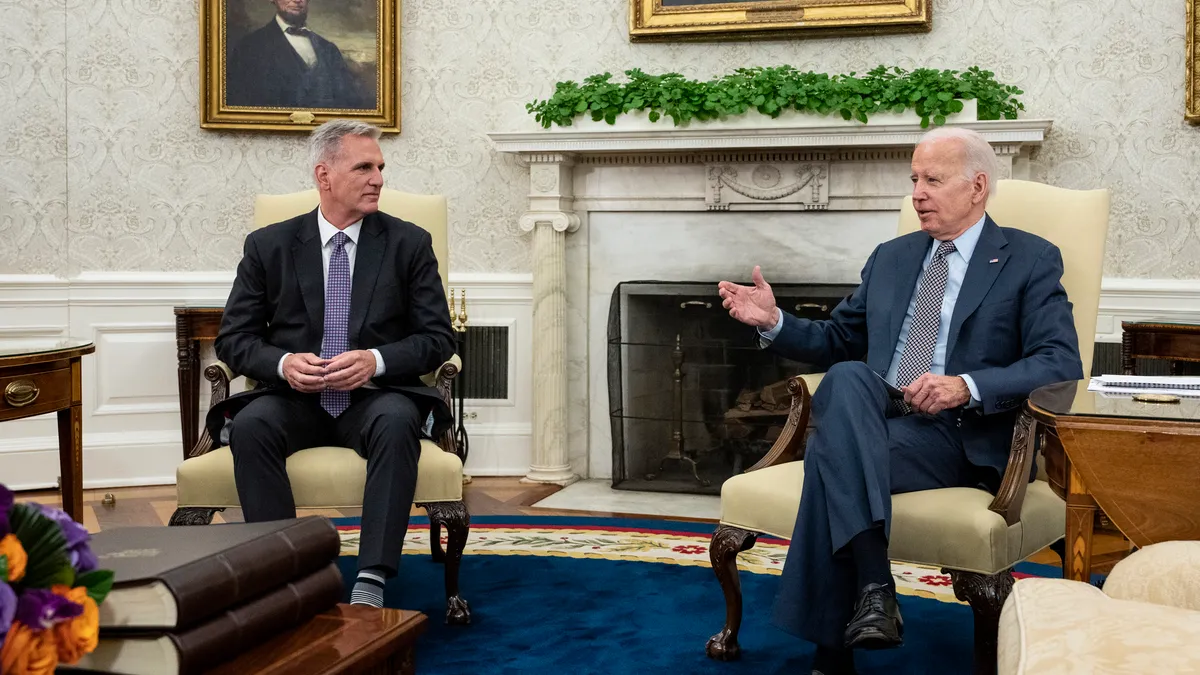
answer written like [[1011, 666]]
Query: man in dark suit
[[336, 314], [285, 64], [966, 318]]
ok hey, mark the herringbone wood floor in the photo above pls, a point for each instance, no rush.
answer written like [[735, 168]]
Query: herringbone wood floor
[[503, 496]]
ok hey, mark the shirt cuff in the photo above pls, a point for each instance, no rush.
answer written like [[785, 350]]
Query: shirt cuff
[[975, 398], [279, 368], [769, 336], [379, 368]]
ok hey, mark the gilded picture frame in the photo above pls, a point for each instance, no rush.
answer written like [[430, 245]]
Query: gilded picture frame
[[696, 20], [291, 65], [1192, 26]]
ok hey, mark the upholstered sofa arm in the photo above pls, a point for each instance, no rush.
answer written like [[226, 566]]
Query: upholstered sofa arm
[[1163, 574]]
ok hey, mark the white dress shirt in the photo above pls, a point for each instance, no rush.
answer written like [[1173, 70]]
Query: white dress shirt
[[326, 231], [301, 43], [964, 246]]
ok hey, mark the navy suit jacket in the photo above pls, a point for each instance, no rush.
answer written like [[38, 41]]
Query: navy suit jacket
[[277, 305], [1012, 329]]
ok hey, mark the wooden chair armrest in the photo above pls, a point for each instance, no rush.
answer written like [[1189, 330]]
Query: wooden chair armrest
[[442, 380], [790, 444], [1011, 495], [219, 375]]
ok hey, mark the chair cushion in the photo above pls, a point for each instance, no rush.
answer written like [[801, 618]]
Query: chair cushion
[[1166, 573], [322, 478], [1055, 626], [950, 527]]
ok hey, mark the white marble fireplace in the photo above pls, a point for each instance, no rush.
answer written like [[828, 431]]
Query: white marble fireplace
[[804, 197]]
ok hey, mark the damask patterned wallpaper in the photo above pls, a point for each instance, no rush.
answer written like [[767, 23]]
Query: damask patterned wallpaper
[[101, 154]]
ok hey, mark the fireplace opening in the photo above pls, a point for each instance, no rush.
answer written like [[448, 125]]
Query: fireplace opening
[[692, 399]]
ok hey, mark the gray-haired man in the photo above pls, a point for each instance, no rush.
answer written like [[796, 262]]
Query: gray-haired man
[[337, 313]]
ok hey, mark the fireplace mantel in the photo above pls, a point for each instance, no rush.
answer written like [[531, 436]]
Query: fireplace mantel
[[752, 164], [661, 137]]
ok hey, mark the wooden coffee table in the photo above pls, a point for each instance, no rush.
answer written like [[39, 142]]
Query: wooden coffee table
[[343, 640]]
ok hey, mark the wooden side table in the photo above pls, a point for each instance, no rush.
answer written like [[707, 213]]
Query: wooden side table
[[343, 640], [38, 377], [1139, 462], [192, 325], [1173, 340]]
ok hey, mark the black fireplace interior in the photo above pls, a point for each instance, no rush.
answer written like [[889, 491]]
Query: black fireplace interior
[[692, 399]]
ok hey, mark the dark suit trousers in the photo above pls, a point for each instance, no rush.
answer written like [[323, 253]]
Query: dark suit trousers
[[381, 426], [861, 452]]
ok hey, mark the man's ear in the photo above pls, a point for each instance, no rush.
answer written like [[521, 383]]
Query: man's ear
[[980, 188], [321, 173]]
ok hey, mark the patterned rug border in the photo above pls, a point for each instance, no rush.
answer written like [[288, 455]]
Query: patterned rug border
[[643, 540]]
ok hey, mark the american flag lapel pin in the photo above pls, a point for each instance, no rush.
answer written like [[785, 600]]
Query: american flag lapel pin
[[993, 260]]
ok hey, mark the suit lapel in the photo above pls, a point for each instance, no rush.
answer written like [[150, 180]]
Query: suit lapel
[[368, 257], [310, 270], [908, 270], [981, 274]]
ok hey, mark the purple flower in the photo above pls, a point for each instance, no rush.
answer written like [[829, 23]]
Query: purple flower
[[82, 558], [40, 609], [6, 502], [8, 608]]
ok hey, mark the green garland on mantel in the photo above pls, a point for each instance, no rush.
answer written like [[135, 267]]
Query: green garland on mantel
[[932, 94]]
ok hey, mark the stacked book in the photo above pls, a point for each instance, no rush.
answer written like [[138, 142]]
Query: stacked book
[[185, 599], [1128, 385]]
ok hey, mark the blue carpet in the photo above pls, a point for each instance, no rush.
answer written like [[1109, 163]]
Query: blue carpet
[[535, 614]]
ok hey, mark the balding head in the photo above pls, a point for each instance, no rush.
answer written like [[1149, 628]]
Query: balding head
[[952, 174]]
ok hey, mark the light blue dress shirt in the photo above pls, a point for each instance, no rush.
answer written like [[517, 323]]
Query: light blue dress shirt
[[964, 246]]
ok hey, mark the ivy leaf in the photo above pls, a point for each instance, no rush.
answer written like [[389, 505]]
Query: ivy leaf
[[581, 107], [97, 582], [654, 116], [939, 120], [945, 96]]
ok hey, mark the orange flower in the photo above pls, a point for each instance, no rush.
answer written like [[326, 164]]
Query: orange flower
[[28, 653], [11, 548], [79, 635]]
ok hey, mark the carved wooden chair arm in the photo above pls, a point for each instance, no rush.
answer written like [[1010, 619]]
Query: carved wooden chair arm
[[220, 375], [1011, 495], [790, 444]]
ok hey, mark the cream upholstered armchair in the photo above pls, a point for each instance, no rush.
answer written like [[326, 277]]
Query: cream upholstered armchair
[[333, 477], [1146, 620], [975, 536]]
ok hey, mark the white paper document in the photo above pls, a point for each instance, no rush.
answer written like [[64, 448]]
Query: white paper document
[[1145, 384]]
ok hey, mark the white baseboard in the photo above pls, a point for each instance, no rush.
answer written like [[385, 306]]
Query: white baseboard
[[130, 385]]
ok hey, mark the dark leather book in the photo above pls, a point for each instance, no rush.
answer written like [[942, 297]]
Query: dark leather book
[[173, 578], [220, 639]]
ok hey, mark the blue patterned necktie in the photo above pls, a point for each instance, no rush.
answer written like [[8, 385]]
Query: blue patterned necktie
[[337, 319], [917, 356]]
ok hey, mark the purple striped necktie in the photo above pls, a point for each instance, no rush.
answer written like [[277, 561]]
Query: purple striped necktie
[[337, 319]]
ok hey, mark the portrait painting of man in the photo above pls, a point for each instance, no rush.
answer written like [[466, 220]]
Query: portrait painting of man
[[298, 54], [698, 20]]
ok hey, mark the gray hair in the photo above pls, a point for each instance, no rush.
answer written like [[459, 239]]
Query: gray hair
[[978, 156], [326, 140]]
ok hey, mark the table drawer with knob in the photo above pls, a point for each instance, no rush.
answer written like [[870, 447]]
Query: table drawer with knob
[[34, 393]]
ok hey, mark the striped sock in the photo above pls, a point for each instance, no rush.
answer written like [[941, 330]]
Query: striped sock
[[368, 590]]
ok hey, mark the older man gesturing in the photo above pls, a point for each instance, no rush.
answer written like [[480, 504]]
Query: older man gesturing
[[965, 319]]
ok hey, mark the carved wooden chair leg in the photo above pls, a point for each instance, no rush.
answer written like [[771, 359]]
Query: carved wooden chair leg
[[986, 595], [435, 537], [458, 523], [726, 543], [1060, 548], [193, 516]]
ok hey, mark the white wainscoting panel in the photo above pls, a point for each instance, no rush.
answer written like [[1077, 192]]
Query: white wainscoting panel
[[131, 398]]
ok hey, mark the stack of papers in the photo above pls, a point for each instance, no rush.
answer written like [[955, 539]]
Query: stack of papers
[[1145, 384]]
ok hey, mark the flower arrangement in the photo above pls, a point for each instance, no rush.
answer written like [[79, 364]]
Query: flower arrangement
[[50, 589]]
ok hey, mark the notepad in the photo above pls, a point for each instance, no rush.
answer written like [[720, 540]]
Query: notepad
[[1136, 384]]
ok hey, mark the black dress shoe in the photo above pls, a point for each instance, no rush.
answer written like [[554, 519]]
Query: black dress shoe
[[876, 623]]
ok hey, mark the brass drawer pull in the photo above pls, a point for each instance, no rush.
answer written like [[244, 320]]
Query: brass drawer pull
[[812, 305], [20, 393]]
